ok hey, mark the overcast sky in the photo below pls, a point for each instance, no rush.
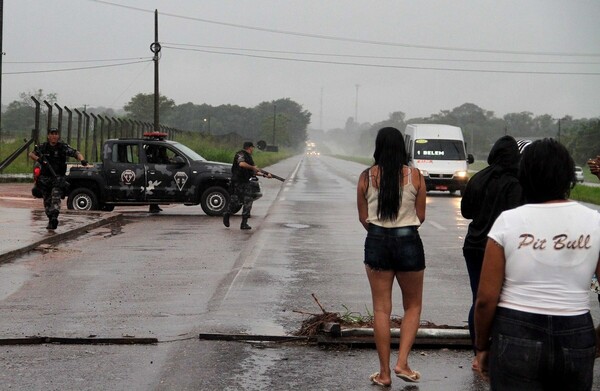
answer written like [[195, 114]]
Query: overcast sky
[[418, 57]]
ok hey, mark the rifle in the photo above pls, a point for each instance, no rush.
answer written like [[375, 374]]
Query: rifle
[[272, 175], [44, 161]]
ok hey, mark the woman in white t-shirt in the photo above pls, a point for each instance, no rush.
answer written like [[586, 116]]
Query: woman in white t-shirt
[[533, 327]]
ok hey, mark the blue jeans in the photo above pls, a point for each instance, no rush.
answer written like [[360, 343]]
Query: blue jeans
[[474, 261], [540, 352]]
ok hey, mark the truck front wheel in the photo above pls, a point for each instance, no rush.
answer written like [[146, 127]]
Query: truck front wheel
[[214, 201], [82, 199]]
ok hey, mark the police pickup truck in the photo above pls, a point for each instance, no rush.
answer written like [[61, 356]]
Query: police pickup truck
[[150, 170]]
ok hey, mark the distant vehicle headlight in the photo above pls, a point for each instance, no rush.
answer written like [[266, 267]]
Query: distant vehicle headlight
[[460, 174], [424, 172]]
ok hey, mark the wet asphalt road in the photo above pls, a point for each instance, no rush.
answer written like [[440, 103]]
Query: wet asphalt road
[[180, 273]]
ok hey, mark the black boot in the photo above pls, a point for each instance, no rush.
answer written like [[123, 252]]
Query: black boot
[[52, 223], [244, 224], [226, 219], [154, 208]]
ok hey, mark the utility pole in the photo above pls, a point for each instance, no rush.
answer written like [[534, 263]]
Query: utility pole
[[356, 106], [321, 111], [274, 116], [155, 48]]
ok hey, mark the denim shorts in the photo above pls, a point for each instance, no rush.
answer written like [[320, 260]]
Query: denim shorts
[[396, 249], [541, 352]]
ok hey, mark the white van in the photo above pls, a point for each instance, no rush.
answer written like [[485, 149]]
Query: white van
[[439, 152]]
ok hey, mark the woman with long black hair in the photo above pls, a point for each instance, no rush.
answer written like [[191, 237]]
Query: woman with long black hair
[[391, 207]]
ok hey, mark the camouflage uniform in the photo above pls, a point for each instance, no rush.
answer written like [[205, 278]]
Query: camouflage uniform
[[241, 189], [53, 185]]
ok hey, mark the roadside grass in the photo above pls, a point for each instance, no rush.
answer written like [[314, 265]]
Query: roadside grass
[[585, 193], [22, 164]]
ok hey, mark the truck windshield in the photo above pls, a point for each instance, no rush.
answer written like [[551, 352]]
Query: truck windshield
[[439, 149], [189, 152]]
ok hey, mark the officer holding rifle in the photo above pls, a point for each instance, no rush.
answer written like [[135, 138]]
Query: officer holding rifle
[[242, 170], [52, 155]]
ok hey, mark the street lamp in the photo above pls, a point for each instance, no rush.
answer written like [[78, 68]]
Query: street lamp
[[558, 123], [208, 120]]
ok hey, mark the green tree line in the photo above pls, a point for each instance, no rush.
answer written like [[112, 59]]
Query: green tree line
[[284, 122], [281, 122]]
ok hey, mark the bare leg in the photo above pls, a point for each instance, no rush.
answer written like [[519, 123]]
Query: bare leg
[[381, 291], [411, 284]]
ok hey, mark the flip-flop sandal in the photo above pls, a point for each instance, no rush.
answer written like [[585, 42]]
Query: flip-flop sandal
[[376, 382], [414, 377]]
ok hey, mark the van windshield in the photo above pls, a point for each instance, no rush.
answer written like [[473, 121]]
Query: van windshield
[[439, 149]]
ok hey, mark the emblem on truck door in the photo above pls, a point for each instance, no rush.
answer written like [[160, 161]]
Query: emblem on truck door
[[180, 179], [127, 177]]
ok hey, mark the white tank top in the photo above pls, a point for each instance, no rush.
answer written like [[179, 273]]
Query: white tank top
[[407, 215]]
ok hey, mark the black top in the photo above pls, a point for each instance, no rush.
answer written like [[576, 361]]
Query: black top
[[56, 156], [239, 174], [491, 191]]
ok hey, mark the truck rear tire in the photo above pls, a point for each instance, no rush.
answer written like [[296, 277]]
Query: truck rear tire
[[82, 199], [214, 201]]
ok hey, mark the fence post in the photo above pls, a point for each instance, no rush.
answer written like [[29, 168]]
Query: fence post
[[108, 127], [119, 123], [59, 118], [78, 128], [116, 123], [86, 133], [136, 128], [36, 133], [49, 114], [131, 127], [69, 124], [101, 132], [94, 154]]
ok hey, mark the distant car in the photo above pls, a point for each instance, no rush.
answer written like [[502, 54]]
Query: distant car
[[579, 174]]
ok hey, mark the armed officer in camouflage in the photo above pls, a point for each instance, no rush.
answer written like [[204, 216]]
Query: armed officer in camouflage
[[242, 170], [52, 155]]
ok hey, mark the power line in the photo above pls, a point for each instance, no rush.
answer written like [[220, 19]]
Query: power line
[[384, 57], [74, 69], [389, 66], [362, 41], [74, 61], [133, 80]]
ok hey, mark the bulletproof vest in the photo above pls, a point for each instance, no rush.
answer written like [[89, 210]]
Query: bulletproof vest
[[57, 158], [239, 174]]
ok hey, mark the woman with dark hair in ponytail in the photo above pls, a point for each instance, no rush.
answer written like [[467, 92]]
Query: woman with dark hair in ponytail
[[391, 207]]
